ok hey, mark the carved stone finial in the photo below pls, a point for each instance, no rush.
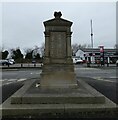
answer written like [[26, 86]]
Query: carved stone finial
[[57, 14]]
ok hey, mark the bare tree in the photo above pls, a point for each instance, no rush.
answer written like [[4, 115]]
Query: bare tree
[[5, 54], [76, 47], [1, 50], [35, 51], [116, 46], [0, 53], [88, 46], [27, 50], [42, 49]]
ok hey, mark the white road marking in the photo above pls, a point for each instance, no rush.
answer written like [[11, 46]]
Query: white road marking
[[38, 73], [9, 81], [101, 79], [12, 79], [3, 80], [23, 79], [86, 68], [114, 77], [35, 73]]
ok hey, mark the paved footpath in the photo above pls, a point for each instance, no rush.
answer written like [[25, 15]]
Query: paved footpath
[[39, 65], [19, 65]]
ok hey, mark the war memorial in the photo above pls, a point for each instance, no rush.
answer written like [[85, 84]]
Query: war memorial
[[57, 93]]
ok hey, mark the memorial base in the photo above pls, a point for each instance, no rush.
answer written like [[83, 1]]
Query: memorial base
[[58, 80], [34, 102]]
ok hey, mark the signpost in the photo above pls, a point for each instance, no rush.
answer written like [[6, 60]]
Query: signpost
[[102, 55], [92, 54]]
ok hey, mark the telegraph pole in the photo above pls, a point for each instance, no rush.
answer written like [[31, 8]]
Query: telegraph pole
[[92, 41], [91, 35]]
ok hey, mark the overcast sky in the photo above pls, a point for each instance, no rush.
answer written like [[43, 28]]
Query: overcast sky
[[22, 23]]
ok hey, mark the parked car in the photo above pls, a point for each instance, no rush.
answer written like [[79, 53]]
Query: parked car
[[33, 61], [7, 62], [11, 61], [77, 61], [4, 62]]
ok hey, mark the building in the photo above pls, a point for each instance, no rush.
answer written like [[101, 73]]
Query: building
[[86, 54]]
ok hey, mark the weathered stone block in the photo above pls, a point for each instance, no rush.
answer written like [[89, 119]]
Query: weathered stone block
[[58, 69]]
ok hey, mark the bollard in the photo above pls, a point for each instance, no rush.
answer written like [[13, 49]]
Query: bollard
[[107, 64], [117, 64], [34, 64], [88, 64], [21, 65], [98, 64]]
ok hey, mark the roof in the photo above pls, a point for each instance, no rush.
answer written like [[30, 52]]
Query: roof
[[98, 50]]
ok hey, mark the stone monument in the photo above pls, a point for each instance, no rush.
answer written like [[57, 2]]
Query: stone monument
[[58, 69], [59, 95]]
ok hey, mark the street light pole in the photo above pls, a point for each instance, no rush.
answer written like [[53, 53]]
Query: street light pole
[[91, 35], [92, 40]]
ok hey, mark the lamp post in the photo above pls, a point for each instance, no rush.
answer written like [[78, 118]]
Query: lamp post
[[92, 60]]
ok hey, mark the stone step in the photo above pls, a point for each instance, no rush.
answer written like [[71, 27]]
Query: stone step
[[37, 103], [108, 109], [83, 94], [58, 99]]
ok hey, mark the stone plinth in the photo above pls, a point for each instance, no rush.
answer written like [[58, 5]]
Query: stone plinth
[[81, 102], [82, 94], [58, 76], [58, 80]]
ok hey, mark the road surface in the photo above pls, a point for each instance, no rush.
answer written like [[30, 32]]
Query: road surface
[[13, 79], [103, 79]]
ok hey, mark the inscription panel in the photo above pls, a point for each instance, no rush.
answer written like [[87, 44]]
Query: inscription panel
[[58, 44]]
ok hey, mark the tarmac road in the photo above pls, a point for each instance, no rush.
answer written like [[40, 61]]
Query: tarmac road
[[102, 79], [105, 80], [8, 90], [13, 79]]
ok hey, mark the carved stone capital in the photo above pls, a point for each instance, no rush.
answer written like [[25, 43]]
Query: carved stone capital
[[69, 34]]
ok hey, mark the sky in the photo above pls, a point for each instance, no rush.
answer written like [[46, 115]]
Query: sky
[[22, 22]]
